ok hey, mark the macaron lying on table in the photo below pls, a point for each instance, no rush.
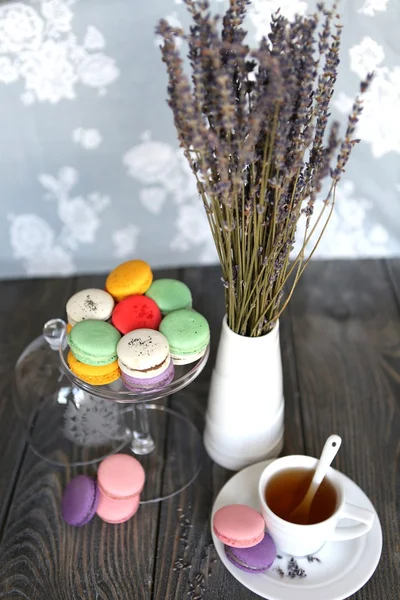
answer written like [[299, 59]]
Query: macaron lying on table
[[120, 477], [188, 335], [117, 511], [120, 480], [80, 501]]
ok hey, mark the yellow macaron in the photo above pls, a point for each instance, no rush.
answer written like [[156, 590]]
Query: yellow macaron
[[69, 327], [93, 375], [129, 278]]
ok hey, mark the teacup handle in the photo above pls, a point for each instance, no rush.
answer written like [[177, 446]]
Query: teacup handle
[[365, 520]]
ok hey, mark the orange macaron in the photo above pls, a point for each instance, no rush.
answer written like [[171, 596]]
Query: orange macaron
[[129, 278]]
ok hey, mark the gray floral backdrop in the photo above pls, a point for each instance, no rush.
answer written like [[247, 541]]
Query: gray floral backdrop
[[90, 168]]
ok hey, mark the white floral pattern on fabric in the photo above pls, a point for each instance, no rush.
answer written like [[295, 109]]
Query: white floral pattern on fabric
[[125, 241], [8, 71], [371, 6], [153, 198], [90, 139], [193, 229], [56, 50], [94, 39], [366, 56], [260, 12], [165, 173], [42, 251], [379, 124], [33, 242], [40, 47], [58, 14], [150, 162], [348, 234]]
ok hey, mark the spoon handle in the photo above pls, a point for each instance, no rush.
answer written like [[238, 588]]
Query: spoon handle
[[329, 452]]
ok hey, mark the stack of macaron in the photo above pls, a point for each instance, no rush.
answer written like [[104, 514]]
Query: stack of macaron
[[136, 329], [115, 496], [242, 530], [145, 360]]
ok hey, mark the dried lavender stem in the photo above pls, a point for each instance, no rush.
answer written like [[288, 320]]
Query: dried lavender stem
[[250, 137]]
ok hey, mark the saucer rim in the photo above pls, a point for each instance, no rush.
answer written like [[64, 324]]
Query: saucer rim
[[376, 531]]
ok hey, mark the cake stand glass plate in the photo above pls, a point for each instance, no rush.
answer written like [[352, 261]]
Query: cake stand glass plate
[[71, 423], [338, 570]]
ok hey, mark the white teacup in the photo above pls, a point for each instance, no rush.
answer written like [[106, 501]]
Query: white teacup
[[304, 540]]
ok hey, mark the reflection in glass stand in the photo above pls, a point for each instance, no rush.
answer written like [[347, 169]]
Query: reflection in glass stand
[[71, 423]]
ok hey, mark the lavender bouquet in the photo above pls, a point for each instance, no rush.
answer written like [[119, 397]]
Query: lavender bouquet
[[253, 126]]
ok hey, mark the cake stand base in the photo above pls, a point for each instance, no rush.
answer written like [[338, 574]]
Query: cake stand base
[[76, 429], [176, 458]]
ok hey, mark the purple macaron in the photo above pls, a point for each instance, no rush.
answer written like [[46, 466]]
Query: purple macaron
[[80, 500], [256, 559], [136, 383]]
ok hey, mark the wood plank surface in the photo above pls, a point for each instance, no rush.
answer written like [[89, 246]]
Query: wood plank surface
[[42, 558], [25, 306], [340, 342], [187, 565], [347, 349]]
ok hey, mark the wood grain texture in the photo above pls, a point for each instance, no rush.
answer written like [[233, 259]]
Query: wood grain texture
[[42, 558], [25, 306], [340, 342], [347, 348], [187, 565]]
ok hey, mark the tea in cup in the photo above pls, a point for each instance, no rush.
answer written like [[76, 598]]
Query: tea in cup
[[283, 485]]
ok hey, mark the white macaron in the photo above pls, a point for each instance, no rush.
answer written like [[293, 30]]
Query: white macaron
[[143, 353], [92, 303]]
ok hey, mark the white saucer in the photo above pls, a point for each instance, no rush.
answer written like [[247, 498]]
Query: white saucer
[[338, 570]]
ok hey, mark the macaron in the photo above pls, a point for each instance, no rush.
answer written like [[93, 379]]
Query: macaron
[[120, 476], [117, 511], [239, 526], [80, 500], [143, 354], [136, 312], [170, 295], [89, 304], [188, 335], [131, 277], [94, 375], [94, 342], [134, 384], [257, 559]]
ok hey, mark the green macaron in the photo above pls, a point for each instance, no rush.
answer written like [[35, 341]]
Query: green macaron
[[170, 295], [94, 342], [188, 335]]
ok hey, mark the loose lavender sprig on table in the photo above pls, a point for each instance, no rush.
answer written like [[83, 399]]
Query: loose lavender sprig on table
[[252, 125]]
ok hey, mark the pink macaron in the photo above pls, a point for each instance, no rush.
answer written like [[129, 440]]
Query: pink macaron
[[239, 526], [116, 511], [120, 477]]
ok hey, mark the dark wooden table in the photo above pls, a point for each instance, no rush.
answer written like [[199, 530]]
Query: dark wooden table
[[341, 352]]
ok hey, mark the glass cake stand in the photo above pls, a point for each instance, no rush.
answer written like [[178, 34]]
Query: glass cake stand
[[71, 423]]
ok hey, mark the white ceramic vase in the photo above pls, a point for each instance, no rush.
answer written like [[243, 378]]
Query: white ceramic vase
[[244, 419]]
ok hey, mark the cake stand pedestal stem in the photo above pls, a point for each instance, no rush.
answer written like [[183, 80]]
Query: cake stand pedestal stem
[[141, 442]]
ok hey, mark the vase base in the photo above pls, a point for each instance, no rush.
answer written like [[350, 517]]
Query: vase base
[[236, 463]]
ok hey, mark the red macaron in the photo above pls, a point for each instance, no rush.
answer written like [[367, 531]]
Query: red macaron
[[136, 312]]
